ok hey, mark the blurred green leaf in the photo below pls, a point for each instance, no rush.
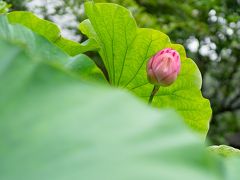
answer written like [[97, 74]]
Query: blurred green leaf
[[54, 126], [125, 48], [50, 31]]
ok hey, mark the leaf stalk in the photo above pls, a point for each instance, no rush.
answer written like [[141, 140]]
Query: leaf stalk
[[153, 93]]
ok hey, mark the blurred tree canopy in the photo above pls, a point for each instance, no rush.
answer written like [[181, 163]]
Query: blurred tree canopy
[[209, 30]]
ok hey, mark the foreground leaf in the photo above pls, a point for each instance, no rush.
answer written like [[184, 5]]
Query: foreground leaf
[[125, 48], [50, 31], [56, 127]]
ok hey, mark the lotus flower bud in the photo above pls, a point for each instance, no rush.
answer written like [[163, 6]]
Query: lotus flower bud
[[163, 68]]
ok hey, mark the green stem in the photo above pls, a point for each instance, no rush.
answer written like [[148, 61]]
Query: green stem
[[154, 92]]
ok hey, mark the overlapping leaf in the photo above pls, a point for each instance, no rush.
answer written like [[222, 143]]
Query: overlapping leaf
[[125, 48], [50, 31], [43, 50], [36, 45]]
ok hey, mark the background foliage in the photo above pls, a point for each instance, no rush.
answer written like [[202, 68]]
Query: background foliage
[[210, 30]]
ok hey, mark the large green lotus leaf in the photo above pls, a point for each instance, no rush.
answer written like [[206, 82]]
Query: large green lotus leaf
[[54, 126], [125, 48], [224, 150], [50, 31], [43, 50]]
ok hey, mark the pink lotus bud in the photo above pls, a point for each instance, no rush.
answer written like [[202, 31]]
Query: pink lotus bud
[[163, 68]]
